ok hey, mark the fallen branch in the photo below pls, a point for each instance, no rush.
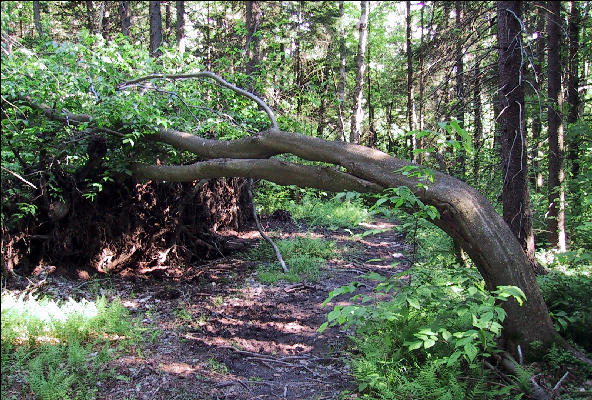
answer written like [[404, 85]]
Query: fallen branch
[[278, 254]]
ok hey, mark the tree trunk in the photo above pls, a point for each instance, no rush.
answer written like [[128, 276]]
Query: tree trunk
[[37, 17], [358, 111], [573, 84], [371, 129], [252, 46], [478, 123], [101, 17], [155, 29], [556, 214], [298, 73], [342, 63], [460, 90], [167, 21], [515, 196], [180, 25], [420, 156], [124, 17], [464, 213], [539, 60], [90, 16], [410, 80], [324, 75]]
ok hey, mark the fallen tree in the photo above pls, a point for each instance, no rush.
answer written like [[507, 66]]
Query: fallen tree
[[465, 215]]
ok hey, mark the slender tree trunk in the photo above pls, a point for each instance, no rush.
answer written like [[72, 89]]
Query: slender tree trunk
[[515, 196], [90, 16], [180, 26], [460, 90], [573, 84], [358, 111], [478, 123], [124, 17], [342, 62], [410, 80], [252, 47], [37, 17], [556, 214], [420, 156], [371, 128], [167, 21], [324, 75], [539, 60], [101, 17], [299, 74], [155, 29]]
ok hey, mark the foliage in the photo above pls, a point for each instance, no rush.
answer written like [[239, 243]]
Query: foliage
[[304, 257], [567, 290], [60, 351], [343, 210]]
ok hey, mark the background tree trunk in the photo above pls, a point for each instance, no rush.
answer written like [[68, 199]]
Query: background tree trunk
[[410, 79], [37, 17], [342, 76], [460, 90], [539, 60], [573, 84], [180, 26], [155, 29], [358, 111], [253, 17], [515, 197], [556, 215]]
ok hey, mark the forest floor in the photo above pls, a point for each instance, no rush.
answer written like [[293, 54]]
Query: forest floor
[[216, 332]]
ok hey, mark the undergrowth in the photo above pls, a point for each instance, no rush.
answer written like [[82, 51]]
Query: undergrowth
[[344, 210], [60, 350], [304, 257], [433, 336]]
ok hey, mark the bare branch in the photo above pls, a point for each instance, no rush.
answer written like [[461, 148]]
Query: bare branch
[[19, 177], [278, 254], [210, 75]]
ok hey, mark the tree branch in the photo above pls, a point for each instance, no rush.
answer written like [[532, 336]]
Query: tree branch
[[210, 75], [278, 254], [277, 171]]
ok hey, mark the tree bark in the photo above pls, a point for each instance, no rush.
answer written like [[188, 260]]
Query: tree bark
[[358, 111], [573, 84], [539, 60], [124, 17], [478, 123], [410, 79], [155, 29], [342, 76], [252, 47], [515, 196], [180, 26], [37, 17], [556, 214], [460, 89]]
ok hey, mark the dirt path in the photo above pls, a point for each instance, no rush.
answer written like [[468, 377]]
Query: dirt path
[[221, 334]]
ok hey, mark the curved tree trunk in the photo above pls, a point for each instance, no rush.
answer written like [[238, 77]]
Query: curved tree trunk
[[466, 215]]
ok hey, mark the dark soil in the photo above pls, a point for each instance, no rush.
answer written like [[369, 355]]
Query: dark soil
[[215, 332]]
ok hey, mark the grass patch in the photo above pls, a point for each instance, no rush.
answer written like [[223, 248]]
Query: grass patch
[[304, 256], [60, 350]]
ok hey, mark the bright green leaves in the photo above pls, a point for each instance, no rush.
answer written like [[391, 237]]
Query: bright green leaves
[[403, 197]]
